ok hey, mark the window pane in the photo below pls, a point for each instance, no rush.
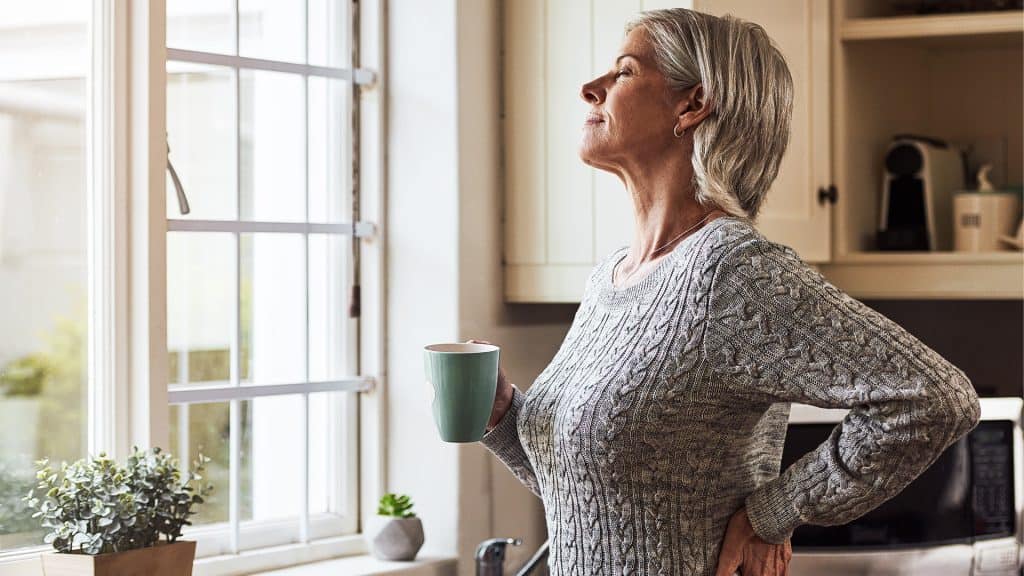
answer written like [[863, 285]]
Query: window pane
[[330, 159], [201, 133], [276, 457], [44, 61], [331, 332], [206, 428], [273, 156], [204, 25], [328, 33], [272, 29], [332, 452], [273, 298], [200, 306]]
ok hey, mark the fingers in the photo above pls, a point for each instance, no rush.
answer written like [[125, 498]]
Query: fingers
[[768, 561], [762, 560], [729, 558]]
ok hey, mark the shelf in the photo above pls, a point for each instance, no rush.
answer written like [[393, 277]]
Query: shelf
[[900, 258], [1007, 25], [928, 275]]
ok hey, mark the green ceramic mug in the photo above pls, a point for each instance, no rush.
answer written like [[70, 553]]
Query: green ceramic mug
[[464, 377]]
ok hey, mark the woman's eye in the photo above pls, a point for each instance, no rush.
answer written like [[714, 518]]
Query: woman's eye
[[622, 72]]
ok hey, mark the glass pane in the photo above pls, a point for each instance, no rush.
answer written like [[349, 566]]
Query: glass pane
[[206, 428], [272, 29], [273, 157], [273, 300], [331, 332], [200, 306], [332, 451], [330, 156], [328, 33], [204, 25], [276, 457], [201, 134], [44, 61]]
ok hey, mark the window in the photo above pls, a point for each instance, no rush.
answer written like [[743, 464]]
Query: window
[[271, 194], [262, 346], [45, 266]]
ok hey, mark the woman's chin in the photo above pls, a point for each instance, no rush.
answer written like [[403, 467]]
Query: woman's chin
[[599, 161], [590, 155]]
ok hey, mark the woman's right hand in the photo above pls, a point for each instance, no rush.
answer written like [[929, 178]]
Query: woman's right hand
[[502, 395]]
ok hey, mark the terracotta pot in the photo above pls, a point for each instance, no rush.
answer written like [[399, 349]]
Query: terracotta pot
[[161, 560], [397, 538]]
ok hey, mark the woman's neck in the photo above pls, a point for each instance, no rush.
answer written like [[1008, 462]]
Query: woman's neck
[[664, 206]]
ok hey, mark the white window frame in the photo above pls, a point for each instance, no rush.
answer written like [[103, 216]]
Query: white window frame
[[258, 535], [128, 396]]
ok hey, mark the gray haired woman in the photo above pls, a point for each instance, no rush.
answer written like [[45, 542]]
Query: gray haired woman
[[654, 436]]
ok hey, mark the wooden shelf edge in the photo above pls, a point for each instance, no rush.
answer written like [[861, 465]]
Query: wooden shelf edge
[[927, 281], [901, 258], [937, 25]]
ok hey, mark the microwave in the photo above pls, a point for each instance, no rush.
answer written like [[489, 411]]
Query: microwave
[[961, 516]]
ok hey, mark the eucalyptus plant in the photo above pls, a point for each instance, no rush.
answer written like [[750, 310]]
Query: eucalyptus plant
[[399, 506], [96, 506]]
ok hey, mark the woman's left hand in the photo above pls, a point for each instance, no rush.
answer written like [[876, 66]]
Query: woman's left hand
[[744, 551]]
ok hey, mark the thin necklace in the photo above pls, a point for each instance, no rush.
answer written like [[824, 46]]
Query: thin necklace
[[699, 222]]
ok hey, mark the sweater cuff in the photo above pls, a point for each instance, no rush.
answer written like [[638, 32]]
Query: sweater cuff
[[505, 435], [773, 515]]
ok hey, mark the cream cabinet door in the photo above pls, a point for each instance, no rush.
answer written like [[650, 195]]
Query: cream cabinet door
[[561, 216], [792, 213]]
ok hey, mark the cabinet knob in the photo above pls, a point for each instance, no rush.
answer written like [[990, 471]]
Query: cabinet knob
[[827, 195]]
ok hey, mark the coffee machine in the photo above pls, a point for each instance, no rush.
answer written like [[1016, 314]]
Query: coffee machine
[[920, 176]]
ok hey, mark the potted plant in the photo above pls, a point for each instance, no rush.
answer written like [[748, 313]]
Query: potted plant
[[107, 520], [398, 532]]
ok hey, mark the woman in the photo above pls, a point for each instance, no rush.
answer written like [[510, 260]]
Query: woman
[[655, 435]]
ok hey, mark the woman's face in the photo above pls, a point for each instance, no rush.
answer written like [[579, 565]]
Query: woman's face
[[632, 110]]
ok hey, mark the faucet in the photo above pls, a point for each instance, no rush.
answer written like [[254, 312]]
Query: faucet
[[490, 557]]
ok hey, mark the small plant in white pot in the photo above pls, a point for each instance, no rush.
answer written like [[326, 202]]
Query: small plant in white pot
[[107, 520], [397, 533]]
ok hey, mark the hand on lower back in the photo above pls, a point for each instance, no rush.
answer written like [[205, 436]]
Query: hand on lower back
[[742, 549]]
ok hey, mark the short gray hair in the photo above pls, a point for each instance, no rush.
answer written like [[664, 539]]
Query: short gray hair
[[738, 147]]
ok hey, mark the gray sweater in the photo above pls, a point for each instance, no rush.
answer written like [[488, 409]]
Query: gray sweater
[[665, 408]]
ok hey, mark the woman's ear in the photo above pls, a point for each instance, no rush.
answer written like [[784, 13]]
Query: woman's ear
[[693, 108]]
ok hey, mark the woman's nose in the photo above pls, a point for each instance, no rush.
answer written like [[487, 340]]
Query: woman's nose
[[592, 92]]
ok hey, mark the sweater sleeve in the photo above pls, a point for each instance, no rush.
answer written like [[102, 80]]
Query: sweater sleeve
[[778, 331], [503, 440]]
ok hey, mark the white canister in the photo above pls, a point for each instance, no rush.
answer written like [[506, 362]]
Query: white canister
[[980, 218]]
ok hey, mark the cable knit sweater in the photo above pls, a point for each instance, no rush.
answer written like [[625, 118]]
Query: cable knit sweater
[[665, 408]]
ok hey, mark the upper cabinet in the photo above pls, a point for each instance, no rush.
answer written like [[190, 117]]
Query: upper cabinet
[[862, 75]]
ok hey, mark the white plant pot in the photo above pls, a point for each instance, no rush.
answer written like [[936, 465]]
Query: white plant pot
[[395, 538]]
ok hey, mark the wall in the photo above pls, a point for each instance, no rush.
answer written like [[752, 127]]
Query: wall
[[444, 269]]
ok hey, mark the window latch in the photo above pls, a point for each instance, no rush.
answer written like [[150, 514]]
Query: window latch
[[183, 206]]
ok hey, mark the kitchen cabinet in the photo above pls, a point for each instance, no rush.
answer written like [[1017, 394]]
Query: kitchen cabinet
[[861, 75]]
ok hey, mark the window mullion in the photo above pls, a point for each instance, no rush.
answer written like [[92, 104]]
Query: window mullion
[[235, 419], [358, 76], [304, 488]]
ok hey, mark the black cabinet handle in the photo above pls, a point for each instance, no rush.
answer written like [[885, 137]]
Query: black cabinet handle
[[827, 195]]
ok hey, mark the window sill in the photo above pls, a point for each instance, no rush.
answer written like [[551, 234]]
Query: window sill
[[341, 555], [370, 566]]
